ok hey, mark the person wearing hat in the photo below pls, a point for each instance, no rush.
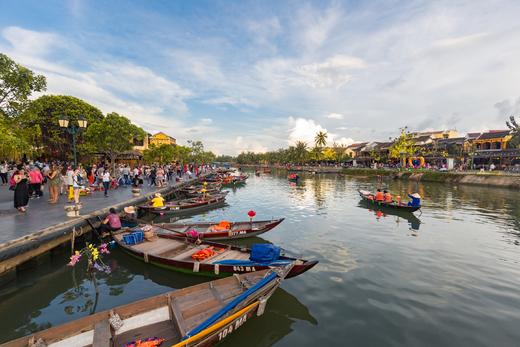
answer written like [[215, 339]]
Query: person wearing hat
[[111, 223], [158, 200], [416, 200], [130, 218]]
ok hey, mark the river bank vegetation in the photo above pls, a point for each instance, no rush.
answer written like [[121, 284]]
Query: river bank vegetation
[[30, 128]]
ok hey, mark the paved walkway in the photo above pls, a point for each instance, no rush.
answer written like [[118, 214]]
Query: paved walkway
[[40, 214]]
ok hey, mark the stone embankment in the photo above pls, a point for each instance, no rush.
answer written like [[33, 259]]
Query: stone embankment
[[493, 179]]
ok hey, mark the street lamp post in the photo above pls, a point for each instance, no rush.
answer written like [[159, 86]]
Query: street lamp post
[[74, 130]]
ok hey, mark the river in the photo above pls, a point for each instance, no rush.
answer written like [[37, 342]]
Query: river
[[447, 277]]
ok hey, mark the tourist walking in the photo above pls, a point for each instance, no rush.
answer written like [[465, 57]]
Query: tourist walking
[[4, 169], [106, 182], [35, 183], [54, 182], [21, 190], [77, 184]]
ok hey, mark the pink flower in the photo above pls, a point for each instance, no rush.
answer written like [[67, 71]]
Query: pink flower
[[74, 259], [103, 249]]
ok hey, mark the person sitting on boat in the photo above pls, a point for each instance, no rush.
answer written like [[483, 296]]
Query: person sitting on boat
[[158, 200], [111, 223], [416, 200], [388, 197], [379, 195]]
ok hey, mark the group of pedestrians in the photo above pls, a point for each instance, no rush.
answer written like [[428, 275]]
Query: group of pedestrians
[[29, 179]]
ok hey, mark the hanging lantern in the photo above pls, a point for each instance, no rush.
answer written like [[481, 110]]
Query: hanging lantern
[[251, 214]]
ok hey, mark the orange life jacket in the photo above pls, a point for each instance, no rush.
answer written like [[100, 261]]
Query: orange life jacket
[[388, 197], [379, 196]]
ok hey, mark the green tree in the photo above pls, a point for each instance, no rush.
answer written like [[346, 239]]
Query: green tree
[[316, 153], [182, 154], [17, 83], [113, 135], [301, 152], [40, 122], [13, 141], [515, 132], [159, 154], [403, 146], [320, 140]]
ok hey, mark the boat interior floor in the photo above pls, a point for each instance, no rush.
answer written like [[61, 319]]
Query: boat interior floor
[[165, 329]]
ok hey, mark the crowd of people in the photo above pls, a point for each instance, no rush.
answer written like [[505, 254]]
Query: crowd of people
[[28, 179]]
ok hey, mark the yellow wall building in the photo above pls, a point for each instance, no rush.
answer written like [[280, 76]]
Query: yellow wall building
[[493, 140], [161, 139]]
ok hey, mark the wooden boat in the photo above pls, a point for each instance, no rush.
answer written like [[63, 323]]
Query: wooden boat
[[198, 192], [175, 252], [214, 231], [381, 204], [200, 315], [234, 180], [190, 205], [293, 177]]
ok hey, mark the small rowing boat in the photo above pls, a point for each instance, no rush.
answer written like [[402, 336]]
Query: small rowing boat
[[368, 198], [293, 177], [179, 253], [200, 315], [222, 230], [187, 206]]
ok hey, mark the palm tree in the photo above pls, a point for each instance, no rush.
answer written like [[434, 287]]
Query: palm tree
[[321, 139], [301, 151]]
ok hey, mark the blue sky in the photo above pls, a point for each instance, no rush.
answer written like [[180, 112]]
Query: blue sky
[[259, 75]]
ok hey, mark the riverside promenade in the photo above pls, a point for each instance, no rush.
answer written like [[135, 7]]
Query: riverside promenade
[[45, 226]]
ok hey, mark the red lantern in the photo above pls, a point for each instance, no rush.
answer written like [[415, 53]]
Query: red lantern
[[251, 214]]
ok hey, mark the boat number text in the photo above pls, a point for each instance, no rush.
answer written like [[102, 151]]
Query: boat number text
[[229, 329], [241, 232], [244, 268]]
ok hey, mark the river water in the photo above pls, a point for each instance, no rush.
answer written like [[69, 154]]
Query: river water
[[447, 277]]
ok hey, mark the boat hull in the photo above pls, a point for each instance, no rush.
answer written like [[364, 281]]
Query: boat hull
[[238, 233], [383, 205], [208, 269]]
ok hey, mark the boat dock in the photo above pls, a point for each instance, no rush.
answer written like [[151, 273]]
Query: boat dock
[[25, 237]]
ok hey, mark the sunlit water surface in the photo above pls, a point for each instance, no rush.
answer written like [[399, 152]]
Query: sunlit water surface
[[447, 277]]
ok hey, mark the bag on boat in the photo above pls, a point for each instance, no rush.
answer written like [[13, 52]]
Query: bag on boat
[[264, 253], [134, 238], [192, 233]]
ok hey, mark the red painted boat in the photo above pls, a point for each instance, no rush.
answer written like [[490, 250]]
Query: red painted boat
[[175, 252], [222, 230]]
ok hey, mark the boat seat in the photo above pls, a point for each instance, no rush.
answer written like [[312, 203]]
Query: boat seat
[[102, 334]]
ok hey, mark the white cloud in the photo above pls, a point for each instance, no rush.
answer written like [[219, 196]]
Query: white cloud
[[301, 129], [335, 116]]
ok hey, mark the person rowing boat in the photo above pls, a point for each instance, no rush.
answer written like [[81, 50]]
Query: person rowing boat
[[416, 200]]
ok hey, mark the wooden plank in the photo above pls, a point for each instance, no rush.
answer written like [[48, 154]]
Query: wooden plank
[[177, 317], [102, 334]]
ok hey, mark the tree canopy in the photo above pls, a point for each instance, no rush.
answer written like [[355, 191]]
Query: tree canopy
[[403, 145], [40, 121], [320, 140], [17, 83], [113, 135]]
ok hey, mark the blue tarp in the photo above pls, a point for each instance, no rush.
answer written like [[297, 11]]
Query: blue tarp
[[264, 253], [215, 317]]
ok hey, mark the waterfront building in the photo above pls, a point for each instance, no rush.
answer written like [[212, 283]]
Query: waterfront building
[[161, 139], [437, 134], [493, 140]]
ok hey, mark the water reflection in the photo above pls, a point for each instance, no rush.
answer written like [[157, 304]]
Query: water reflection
[[413, 221]]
